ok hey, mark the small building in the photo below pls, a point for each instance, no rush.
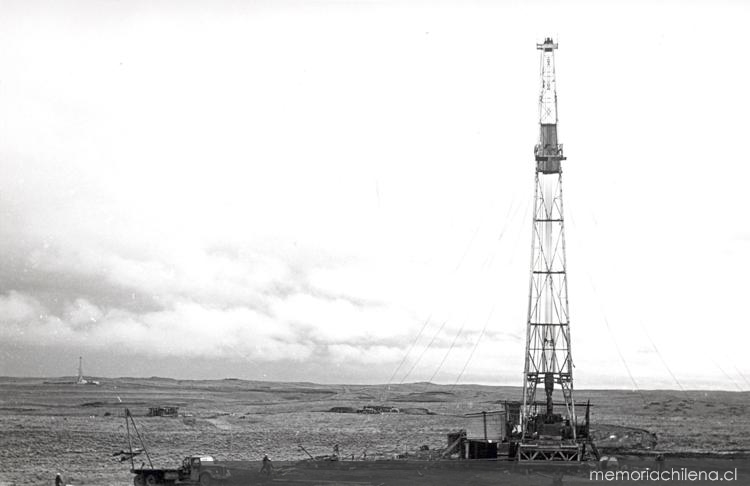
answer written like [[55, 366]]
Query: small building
[[163, 411], [486, 432]]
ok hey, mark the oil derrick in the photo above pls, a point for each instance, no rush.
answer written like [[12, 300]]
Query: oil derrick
[[549, 430], [81, 380]]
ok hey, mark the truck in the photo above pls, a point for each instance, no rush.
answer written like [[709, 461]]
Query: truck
[[196, 469]]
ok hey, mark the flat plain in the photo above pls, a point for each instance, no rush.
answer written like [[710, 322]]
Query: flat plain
[[49, 426]]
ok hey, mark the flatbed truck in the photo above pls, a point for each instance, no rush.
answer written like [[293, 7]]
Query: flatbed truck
[[195, 470]]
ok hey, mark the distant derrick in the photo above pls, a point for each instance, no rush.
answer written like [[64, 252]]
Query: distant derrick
[[81, 380]]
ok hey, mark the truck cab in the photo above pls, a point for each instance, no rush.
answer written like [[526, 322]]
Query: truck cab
[[202, 469]]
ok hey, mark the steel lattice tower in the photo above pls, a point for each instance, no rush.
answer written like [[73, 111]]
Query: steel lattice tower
[[548, 359]]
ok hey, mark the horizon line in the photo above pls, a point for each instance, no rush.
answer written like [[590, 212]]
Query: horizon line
[[154, 377]]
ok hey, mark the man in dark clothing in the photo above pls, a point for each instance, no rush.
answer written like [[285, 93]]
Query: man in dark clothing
[[267, 466], [58, 480], [660, 463], [566, 431]]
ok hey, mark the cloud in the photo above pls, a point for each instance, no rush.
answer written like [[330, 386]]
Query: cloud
[[237, 302], [18, 308], [82, 313], [185, 329]]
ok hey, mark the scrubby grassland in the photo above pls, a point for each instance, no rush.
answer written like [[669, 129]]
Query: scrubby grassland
[[48, 427]]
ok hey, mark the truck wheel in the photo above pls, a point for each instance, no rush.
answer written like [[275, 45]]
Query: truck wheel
[[205, 479], [152, 480], [138, 480]]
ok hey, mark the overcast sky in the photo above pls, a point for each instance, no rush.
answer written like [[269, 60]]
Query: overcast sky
[[340, 191]]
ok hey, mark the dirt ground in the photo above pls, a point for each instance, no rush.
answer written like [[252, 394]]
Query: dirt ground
[[48, 427]]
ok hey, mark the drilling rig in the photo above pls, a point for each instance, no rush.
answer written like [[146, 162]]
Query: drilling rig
[[549, 430]]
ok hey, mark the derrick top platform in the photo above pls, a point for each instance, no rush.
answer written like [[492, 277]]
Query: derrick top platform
[[548, 45]]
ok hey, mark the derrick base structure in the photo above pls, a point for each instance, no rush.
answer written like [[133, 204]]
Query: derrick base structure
[[499, 435], [551, 437]]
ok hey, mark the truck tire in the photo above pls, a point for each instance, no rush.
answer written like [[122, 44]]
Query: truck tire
[[138, 480], [205, 479], [152, 480]]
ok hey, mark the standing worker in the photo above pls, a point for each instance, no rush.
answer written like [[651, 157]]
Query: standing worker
[[58, 480], [660, 463], [267, 465]]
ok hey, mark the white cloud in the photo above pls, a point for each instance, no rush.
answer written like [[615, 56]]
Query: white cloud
[[186, 329], [82, 313], [16, 307]]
